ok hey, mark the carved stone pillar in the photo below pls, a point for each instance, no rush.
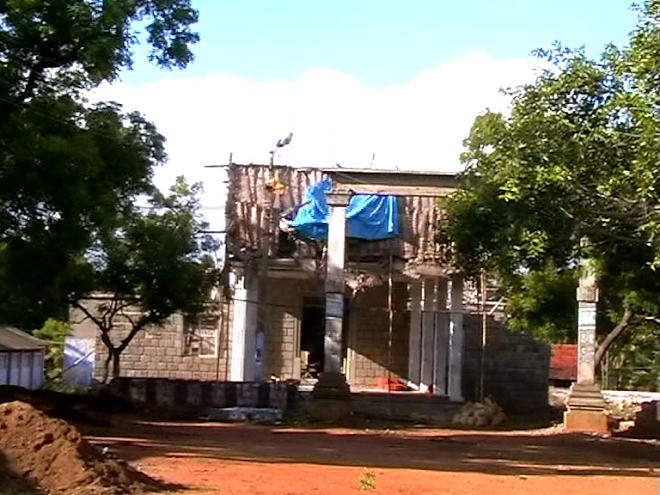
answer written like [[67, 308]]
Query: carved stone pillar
[[585, 402], [331, 395]]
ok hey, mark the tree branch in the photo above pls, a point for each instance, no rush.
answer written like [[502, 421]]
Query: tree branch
[[136, 327], [613, 335], [33, 77], [105, 338], [88, 314]]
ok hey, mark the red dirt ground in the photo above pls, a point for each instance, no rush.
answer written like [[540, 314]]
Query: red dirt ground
[[211, 458]]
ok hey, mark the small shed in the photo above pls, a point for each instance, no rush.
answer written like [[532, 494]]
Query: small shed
[[563, 364], [21, 359]]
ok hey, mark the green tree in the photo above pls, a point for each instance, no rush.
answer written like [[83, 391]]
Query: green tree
[[576, 159], [544, 300], [152, 265], [53, 332], [69, 169]]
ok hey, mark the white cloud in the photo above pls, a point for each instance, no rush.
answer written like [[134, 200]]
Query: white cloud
[[334, 118]]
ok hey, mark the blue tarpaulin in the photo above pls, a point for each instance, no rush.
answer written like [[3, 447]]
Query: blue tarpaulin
[[368, 216]]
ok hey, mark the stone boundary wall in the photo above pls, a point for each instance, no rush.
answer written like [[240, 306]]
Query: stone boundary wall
[[516, 367], [195, 396], [405, 406]]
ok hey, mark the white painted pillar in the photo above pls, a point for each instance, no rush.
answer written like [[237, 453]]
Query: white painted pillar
[[415, 335], [441, 340], [351, 354], [244, 329], [334, 282], [428, 334], [456, 340]]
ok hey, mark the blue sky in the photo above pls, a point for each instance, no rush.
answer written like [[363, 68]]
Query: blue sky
[[384, 42], [351, 79]]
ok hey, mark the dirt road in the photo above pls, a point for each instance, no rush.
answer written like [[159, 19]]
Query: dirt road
[[211, 458]]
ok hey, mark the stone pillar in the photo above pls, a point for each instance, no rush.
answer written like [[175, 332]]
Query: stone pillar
[[244, 329], [331, 395], [585, 402], [428, 334], [415, 335], [334, 281], [441, 345], [456, 340]]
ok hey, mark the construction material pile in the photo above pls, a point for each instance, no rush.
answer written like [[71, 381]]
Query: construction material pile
[[623, 409], [40, 454], [481, 414]]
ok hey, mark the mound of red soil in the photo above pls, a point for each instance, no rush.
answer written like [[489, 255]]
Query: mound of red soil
[[40, 453]]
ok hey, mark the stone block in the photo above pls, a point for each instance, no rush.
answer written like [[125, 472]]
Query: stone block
[[194, 393], [587, 421], [247, 394], [331, 398]]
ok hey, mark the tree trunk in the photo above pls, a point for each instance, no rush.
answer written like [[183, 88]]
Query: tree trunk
[[106, 367], [115, 363], [113, 358], [613, 335]]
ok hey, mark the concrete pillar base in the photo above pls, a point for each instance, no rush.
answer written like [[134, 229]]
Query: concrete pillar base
[[591, 421], [331, 398], [586, 409]]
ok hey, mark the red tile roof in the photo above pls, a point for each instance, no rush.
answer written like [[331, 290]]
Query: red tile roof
[[563, 362]]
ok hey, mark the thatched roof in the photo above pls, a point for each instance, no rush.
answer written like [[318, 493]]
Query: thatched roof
[[254, 210]]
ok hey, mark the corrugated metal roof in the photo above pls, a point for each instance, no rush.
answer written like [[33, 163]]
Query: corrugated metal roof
[[563, 362], [13, 339]]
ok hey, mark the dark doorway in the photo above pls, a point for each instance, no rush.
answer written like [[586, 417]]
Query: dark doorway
[[312, 336]]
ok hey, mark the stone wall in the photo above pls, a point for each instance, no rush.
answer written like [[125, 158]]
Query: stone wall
[[194, 396], [285, 308], [403, 406], [161, 352], [516, 366], [369, 336], [367, 332]]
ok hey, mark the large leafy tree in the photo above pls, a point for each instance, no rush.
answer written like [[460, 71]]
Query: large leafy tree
[[152, 264], [571, 172], [69, 169]]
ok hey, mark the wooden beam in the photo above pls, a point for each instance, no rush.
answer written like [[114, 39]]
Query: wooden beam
[[395, 190], [393, 183]]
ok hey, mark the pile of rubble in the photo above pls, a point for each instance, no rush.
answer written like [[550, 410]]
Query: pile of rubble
[[480, 414], [624, 409], [42, 454]]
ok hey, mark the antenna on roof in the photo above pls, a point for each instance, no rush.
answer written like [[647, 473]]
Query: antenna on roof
[[373, 157], [281, 143]]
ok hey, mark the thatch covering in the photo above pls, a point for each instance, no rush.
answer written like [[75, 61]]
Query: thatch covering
[[255, 207]]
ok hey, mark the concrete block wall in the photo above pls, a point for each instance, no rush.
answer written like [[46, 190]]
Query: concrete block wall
[[157, 352], [417, 407], [196, 395], [516, 366], [369, 336], [285, 306]]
